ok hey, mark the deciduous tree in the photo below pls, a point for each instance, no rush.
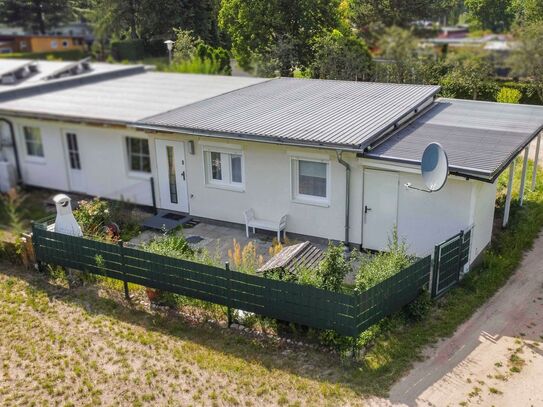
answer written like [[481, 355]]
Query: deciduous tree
[[37, 16]]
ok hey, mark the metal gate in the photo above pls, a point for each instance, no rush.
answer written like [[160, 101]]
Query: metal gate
[[450, 257]]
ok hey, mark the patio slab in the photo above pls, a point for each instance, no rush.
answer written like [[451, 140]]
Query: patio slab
[[219, 239]]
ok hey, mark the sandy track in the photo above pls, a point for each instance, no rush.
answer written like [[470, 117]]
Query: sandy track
[[495, 358]]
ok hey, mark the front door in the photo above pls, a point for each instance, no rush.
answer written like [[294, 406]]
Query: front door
[[380, 209], [172, 176], [75, 166]]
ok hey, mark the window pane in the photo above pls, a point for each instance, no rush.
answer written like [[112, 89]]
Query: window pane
[[235, 161], [135, 163], [216, 169], [145, 164], [134, 145], [34, 146], [312, 178], [138, 154], [144, 146], [172, 175]]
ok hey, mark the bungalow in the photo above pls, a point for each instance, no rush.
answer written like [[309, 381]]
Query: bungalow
[[333, 156]]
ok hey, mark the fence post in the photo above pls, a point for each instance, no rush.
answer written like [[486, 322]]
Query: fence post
[[125, 283], [228, 308], [435, 273], [460, 246]]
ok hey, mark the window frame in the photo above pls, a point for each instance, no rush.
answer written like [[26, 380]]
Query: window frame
[[128, 157], [28, 155], [295, 179], [226, 168]]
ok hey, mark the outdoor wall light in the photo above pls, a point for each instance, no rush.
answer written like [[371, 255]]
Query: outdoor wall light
[[191, 147]]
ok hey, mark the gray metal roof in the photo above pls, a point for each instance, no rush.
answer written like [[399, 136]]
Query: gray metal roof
[[480, 138], [123, 99], [38, 82], [301, 111]]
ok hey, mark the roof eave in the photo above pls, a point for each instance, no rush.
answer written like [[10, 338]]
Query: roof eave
[[247, 137]]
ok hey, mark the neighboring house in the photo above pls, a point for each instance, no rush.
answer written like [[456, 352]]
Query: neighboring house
[[40, 43], [334, 156]]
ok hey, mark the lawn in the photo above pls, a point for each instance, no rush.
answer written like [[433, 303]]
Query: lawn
[[88, 345]]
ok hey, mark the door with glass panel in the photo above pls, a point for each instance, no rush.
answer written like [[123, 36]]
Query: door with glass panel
[[172, 175], [76, 174]]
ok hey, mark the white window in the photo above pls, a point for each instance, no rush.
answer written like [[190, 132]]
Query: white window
[[33, 141], [22, 45], [139, 159], [311, 181], [224, 168], [54, 44]]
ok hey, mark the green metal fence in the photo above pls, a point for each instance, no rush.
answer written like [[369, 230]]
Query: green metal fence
[[449, 259], [348, 314]]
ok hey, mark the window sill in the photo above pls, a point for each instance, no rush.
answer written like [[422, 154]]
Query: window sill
[[35, 160], [226, 187], [139, 175], [304, 201]]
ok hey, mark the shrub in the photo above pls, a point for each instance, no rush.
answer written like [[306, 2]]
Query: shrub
[[383, 265], [93, 216], [508, 95], [333, 268], [172, 245], [246, 259], [131, 50], [420, 307]]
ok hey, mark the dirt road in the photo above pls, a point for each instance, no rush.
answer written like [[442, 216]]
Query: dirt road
[[494, 359]]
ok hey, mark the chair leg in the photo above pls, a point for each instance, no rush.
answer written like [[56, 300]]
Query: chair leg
[[254, 231], [247, 230], [279, 236]]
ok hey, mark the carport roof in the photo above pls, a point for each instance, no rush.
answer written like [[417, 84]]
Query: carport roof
[[480, 138], [329, 113]]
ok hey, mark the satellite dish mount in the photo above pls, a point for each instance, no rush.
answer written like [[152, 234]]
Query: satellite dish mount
[[434, 167]]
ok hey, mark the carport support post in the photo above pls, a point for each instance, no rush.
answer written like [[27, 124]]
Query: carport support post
[[523, 179], [536, 159], [508, 196]]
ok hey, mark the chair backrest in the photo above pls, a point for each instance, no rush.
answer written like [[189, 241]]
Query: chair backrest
[[249, 215]]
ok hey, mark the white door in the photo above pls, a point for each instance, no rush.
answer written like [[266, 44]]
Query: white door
[[172, 175], [380, 209], [75, 166]]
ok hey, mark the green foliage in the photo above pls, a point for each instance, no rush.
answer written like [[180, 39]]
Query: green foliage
[[192, 55], [36, 16], [131, 50], [527, 57], [13, 211], [470, 77], [93, 216], [333, 268], [398, 46], [383, 265], [339, 56], [495, 15], [420, 308], [276, 34], [508, 95], [527, 11], [172, 245], [71, 55]]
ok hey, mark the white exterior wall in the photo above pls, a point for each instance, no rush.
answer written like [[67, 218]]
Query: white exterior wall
[[423, 219], [268, 189], [103, 159], [426, 219]]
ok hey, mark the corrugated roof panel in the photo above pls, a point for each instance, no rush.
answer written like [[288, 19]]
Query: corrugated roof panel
[[127, 98], [479, 137], [300, 110]]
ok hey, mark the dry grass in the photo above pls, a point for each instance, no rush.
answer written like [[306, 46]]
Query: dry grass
[[88, 346]]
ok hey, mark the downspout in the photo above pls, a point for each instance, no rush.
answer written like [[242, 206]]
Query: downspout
[[347, 193], [15, 152]]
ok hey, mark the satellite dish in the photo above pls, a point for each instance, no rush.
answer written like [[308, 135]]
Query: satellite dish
[[434, 168]]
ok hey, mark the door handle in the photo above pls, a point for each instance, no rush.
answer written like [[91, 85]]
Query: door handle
[[183, 175], [366, 209]]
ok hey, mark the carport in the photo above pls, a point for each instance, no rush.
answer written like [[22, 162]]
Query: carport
[[481, 139]]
